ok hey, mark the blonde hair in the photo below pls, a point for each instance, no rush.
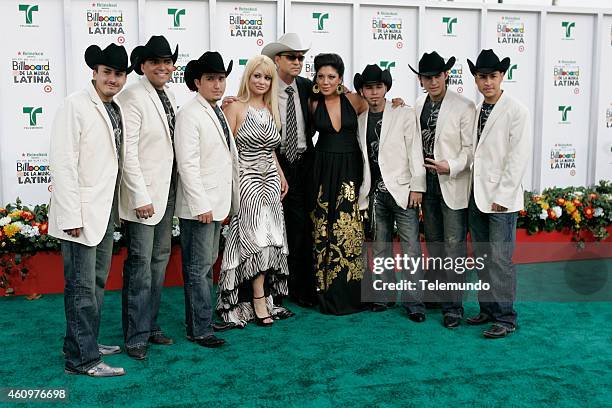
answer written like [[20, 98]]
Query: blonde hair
[[271, 96]]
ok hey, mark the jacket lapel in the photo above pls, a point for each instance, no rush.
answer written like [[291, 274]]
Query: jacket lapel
[[443, 113], [388, 118], [157, 102], [498, 109], [102, 109], [213, 116]]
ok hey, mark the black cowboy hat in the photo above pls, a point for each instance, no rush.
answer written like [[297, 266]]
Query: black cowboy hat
[[156, 47], [488, 62], [211, 62], [372, 74], [432, 64], [113, 56]]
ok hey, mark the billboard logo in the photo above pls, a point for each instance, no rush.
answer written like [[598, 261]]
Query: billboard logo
[[455, 75], [28, 10], [387, 65], [246, 22], [31, 68], [32, 112], [510, 30], [568, 25], [449, 21], [567, 75], [387, 26], [320, 17], [511, 72], [33, 168], [176, 15], [564, 111], [563, 156]]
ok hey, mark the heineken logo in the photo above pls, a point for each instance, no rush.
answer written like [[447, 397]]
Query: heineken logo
[[320, 17], [28, 9], [450, 24], [32, 112], [564, 111], [176, 15], [568, 25]]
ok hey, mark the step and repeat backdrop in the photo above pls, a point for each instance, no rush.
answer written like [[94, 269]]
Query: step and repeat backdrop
[[560, 61]]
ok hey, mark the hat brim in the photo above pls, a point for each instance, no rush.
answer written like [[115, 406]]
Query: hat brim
[[502, 66], [358, 81], [141, 53], [446, 67], [273, 49], [94, 57], [195, 69]]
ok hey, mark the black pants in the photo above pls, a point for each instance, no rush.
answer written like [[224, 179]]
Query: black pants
[[299, 228]]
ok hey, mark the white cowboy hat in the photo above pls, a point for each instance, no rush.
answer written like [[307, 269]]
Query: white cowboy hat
[[287, 42]]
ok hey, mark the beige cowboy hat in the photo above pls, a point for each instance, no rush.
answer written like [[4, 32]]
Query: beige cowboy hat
[[287, 42]]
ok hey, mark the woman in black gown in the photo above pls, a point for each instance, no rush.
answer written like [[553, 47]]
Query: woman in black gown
[[337, 175]]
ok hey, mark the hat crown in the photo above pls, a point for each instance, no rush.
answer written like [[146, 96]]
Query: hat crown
[[431, 62], [486, 59], [114, 56], [159, 45], [213, 61]]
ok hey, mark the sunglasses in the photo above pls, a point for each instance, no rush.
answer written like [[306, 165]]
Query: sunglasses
[[293, 57]]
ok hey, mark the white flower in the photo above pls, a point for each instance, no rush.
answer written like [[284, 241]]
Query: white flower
[[176, 230], [544, 215], [116, 236], [599, 212], [557, 210], [5, 221], [19, 225], [578, 193], [29, 231]]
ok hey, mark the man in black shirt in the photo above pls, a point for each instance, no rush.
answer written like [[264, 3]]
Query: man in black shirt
[[394, 177]]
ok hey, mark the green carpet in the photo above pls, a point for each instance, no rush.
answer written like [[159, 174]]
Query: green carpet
[[560, 356]]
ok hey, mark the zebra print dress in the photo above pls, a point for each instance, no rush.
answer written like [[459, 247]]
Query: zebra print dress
[[257, 240]]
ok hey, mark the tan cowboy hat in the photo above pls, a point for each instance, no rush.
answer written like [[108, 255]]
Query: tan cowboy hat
[[287, 42]]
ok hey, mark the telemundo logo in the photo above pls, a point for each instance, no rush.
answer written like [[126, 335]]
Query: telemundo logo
[[568, 25], [32, 112], [564, 113], [320, 17], [450, 24], [511, 72], [28, 9], [176, 15], [387, 65]]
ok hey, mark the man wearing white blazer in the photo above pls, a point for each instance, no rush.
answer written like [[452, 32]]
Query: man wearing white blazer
[[502, 144], [86, 157], [394, 178], [445, 122], [148, 191], [208, 188]]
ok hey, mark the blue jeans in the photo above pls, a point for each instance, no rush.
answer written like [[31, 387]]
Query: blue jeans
[[445, 234], [144, 271], [85, 271], [199, 249], [494, 235], [386, 214]]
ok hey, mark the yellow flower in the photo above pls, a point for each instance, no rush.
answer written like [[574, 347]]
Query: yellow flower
[[15, 214], [545, 206], [11, 229]]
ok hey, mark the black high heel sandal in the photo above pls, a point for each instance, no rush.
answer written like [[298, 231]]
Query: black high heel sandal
[[260, 320]]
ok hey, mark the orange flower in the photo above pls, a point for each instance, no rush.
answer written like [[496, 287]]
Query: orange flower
[[2, 211], [561, 201], [43, 228], [577, 202], [588, 212], [10, 230], [593, 196], [27, 216], [552, 215], [522, 213]]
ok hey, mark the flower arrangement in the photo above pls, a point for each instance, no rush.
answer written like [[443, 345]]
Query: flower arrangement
[[578, 209]]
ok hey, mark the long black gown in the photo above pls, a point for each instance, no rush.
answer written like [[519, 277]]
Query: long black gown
[[337, 223]]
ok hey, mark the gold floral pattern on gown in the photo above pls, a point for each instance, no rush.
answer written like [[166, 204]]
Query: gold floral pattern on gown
[[341, 248]]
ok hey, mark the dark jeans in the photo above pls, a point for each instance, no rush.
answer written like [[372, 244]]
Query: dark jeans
[[199, 249], [386, 214], [493, 236], [143, 276], [302, 285], [445, 234], [85, 271]]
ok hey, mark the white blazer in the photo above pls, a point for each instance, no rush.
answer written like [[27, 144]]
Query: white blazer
[[501, 156], [400, 155], [208, 170], [148, 152], [84, 168], [453, 143]]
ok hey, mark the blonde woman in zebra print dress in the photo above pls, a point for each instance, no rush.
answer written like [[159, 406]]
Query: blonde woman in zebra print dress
[[254, 267]]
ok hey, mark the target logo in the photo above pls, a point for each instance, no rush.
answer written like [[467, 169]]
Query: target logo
[[47, 88], [460, 89], [400, 45], [572, 172], [260, 42], [521, 48], [121, 39], [577, 91]]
